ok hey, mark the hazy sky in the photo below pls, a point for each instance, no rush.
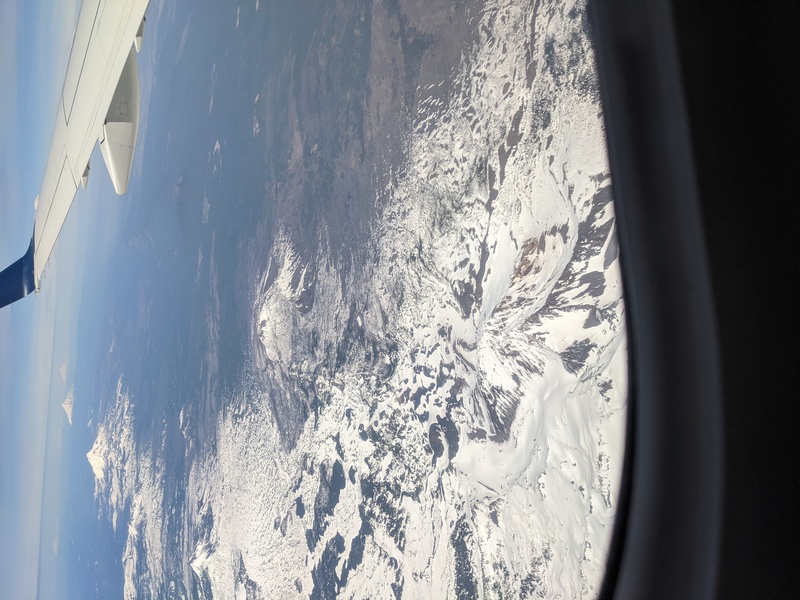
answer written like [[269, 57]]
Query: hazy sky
[[35, 37]]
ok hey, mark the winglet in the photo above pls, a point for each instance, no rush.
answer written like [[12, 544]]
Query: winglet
[[18, 280]]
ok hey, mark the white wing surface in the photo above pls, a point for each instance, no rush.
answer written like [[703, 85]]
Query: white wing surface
[[99, 103]]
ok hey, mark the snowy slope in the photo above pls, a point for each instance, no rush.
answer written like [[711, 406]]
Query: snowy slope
[[467, 438]]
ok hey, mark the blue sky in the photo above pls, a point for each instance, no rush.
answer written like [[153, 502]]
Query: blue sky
[[35, 37]]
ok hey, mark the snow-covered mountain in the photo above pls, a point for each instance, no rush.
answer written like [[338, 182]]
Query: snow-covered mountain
[[467, 388], [440, 414], [69, 404], [129, 492]]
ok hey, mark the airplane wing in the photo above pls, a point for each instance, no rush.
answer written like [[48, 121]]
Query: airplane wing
[[99, 104]]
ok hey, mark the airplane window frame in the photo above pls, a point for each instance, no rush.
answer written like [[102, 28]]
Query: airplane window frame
[[667, 533]]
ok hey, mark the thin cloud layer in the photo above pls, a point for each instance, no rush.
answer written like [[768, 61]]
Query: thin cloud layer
[[35, 38]]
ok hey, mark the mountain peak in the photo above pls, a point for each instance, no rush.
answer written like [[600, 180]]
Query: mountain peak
[[69, 404]]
